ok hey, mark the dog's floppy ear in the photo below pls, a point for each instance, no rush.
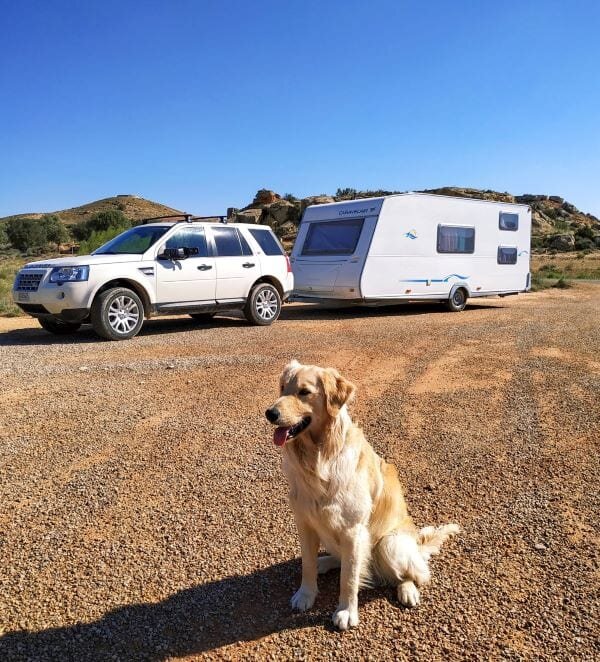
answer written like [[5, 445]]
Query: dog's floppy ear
[[288, 372], [338, 390]]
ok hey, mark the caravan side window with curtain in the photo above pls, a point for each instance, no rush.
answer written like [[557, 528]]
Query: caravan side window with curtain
[[507, 255], [508, 221], [454, 239]]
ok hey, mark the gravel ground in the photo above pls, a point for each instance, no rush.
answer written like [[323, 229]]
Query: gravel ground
[[143, 513]]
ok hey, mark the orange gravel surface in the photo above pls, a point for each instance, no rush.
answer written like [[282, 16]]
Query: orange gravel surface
[[143, 513]]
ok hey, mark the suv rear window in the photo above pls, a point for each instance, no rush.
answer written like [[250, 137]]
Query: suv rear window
[[267, 242], [230, 243], [333, 237]]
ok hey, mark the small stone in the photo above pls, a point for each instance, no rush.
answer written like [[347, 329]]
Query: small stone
[[540, 546]]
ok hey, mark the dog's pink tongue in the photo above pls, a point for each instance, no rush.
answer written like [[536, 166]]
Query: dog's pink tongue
[[279, 436]]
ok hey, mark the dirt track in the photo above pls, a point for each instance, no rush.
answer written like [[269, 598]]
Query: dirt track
[[143, 514]]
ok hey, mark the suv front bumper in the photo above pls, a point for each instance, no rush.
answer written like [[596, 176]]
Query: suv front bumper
[[68, 301]]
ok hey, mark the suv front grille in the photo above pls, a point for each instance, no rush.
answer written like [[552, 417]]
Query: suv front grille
[[28, 282]]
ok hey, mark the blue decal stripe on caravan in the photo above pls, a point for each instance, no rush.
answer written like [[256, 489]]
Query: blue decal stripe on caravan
[[435, 280]]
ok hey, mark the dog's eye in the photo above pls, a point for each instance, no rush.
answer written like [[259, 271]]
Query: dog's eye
[[303, 391]]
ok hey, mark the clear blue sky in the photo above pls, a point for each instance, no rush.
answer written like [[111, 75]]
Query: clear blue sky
[[198, 104]]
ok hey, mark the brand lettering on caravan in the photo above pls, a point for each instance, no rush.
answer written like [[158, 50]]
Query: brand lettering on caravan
[[364, 210]]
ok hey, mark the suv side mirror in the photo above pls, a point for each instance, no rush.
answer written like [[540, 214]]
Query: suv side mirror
[[177, 253]]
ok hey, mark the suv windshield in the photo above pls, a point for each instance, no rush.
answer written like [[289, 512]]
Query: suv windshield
[[134, 241]]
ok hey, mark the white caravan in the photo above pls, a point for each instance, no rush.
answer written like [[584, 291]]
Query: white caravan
[[411, 247]]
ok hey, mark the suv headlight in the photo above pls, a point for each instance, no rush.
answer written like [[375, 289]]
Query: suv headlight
[[69, 274]]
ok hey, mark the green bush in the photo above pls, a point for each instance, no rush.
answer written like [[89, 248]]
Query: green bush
[[27, 234], [537, 243], [56, 231], [97, 239], [585, 232], [583, 243], [538, 282], [562, 284], [100, 222], [34, 235]]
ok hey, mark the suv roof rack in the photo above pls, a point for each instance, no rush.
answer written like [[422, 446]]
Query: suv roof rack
[[185, 218], [222, 219]]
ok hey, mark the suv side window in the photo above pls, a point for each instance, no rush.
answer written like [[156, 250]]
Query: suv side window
[[266, 240], [189, 237], [230, 242]]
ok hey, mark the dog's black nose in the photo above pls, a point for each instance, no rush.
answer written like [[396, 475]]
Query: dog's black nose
[[272, 414]]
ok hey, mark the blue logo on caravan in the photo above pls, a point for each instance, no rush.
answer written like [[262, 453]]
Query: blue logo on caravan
[[435, 280], [411, 234], [524, 253]]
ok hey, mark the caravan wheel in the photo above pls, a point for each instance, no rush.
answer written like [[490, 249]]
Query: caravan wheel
[[458, 300]]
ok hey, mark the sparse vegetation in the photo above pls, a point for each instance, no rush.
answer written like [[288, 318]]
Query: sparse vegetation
[[8, 268]]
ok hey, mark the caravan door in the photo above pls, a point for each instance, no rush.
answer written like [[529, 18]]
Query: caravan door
[[328, 256]]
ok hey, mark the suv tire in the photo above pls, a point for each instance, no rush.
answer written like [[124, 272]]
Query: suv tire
[[457, 302], [117, 314], [263, 305], [60, 328]]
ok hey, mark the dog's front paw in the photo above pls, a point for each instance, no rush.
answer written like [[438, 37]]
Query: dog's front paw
[[408, 594], [303, 599], [345, 618]]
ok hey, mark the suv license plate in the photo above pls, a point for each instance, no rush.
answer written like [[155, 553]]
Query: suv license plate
[[23, 296]]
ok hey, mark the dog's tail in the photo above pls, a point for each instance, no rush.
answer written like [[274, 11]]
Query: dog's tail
[[431, 538]]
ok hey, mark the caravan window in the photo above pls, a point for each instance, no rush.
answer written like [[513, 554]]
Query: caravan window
[[333, 237], [507, 255], [509, 221], [454, 239]]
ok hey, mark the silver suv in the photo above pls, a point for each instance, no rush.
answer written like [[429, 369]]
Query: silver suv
[[160, 268]]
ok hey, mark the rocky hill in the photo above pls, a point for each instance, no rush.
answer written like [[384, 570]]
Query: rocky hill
[[557, 224], [134, 207]]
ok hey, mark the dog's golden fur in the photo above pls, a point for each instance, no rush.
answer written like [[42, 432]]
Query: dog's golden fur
[[345, 497]]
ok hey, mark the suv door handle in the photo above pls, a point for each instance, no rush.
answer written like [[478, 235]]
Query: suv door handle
[[204, 267], [247, 265]]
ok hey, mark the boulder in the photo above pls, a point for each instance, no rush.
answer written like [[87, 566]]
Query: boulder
[[319, 200], [248, 216], [567, 206], [316, 200], [265, 197], [563, 242], [288, 231], [527, 198], [281, 212]]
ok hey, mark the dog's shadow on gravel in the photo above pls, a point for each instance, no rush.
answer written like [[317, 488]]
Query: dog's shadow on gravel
[[193, 621]]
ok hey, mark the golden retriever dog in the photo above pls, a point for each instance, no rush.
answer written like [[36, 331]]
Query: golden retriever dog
[[345, 497]]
